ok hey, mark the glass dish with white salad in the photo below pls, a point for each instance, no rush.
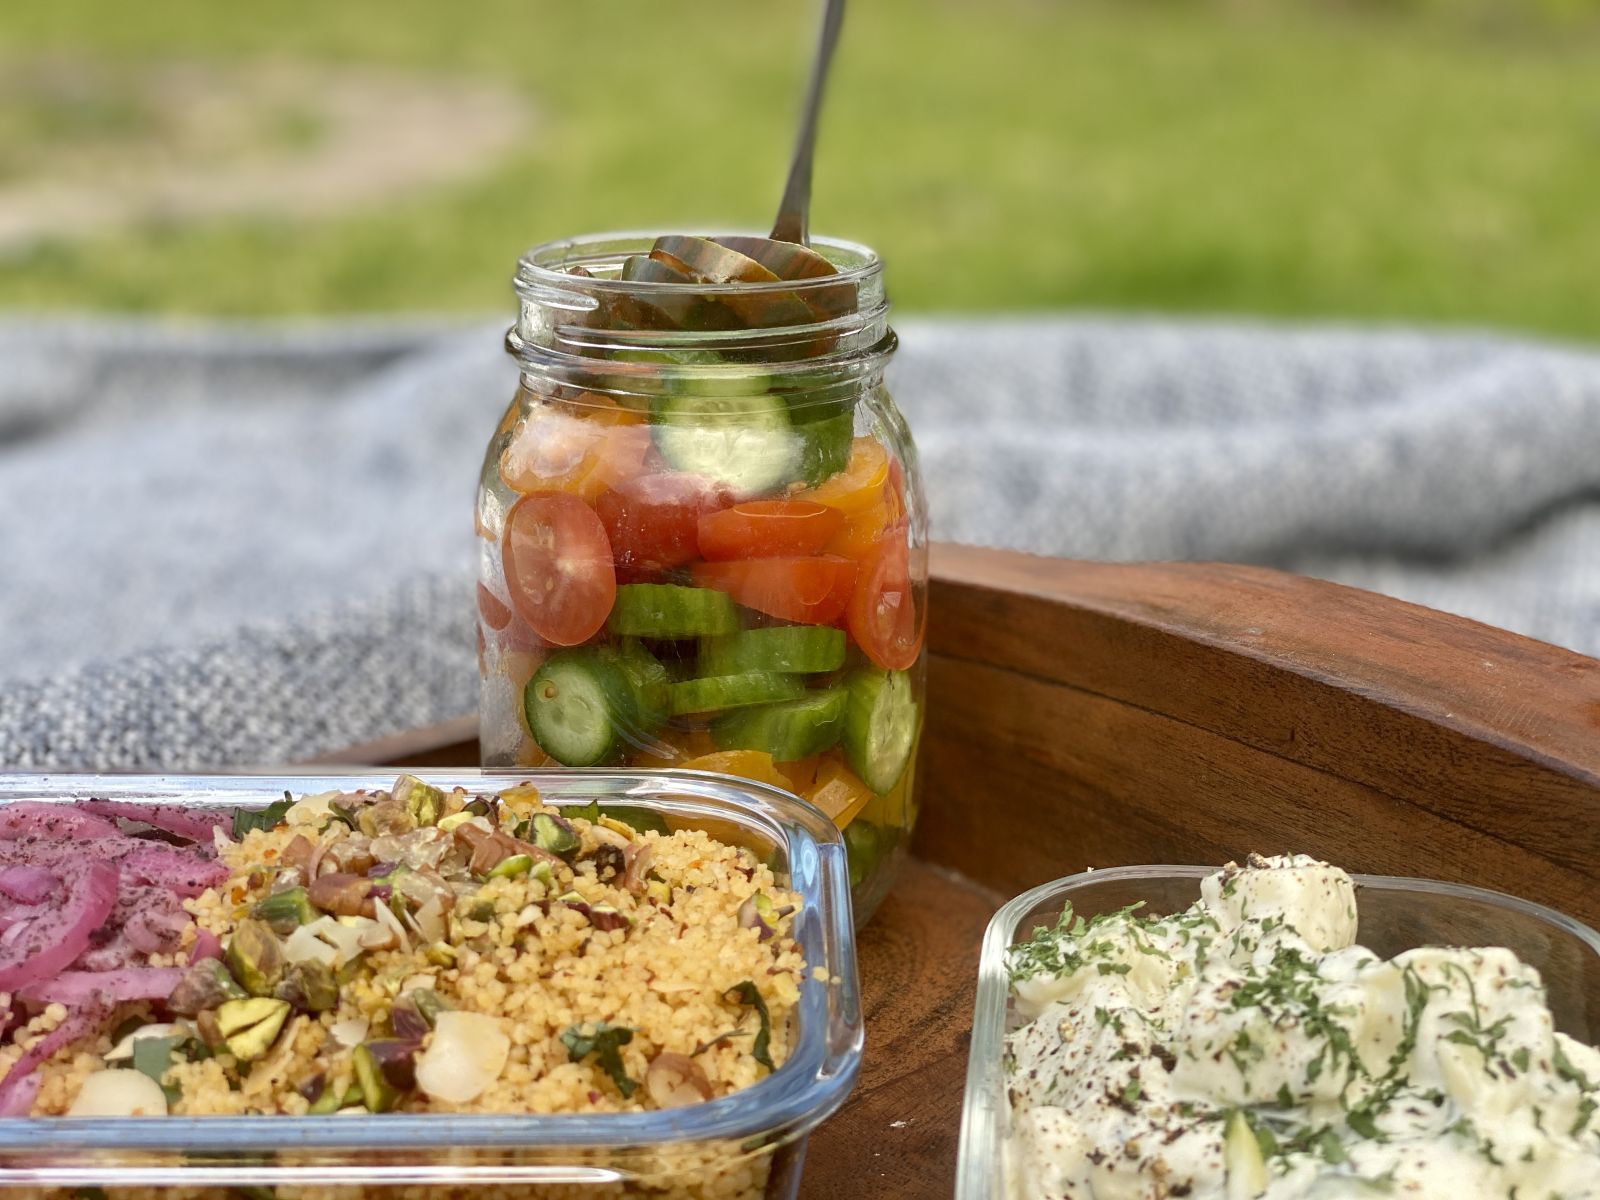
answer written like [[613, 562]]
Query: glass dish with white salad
[[1282, 1029]]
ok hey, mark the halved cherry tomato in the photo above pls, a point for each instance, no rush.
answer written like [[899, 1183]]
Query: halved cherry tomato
[[495, 614], [885, 619], [558, 569], [812, 591], [653, 521], [554, 451], [859, 485], [768, 529]]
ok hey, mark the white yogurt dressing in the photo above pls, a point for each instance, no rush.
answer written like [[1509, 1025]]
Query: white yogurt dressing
[[1248, 1047]]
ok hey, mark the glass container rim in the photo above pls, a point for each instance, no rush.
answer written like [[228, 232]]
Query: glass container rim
[[814, 1080], [978, 1149]]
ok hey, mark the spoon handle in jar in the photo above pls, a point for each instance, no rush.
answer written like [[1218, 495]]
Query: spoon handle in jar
[[791, 225]]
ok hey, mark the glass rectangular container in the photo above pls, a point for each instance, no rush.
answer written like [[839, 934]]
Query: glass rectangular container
[[1393, 915], [749, 1143]]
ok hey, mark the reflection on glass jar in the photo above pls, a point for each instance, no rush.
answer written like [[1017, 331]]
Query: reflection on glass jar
[[703, 539]]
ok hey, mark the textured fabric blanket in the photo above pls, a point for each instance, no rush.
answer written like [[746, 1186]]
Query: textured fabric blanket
[[227, 544]]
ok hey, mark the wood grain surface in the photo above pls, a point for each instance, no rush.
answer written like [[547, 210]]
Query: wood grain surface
[[1087, 714], [919, 972]]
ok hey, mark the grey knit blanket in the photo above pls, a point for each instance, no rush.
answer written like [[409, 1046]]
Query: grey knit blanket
[[226, 544]]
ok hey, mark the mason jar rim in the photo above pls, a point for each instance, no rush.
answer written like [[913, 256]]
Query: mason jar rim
[[556, 334], [544, 268]]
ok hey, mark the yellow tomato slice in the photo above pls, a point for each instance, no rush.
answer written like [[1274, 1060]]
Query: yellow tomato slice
[[858, 537], [801, 773], [747, 764], [838, 792], [860, 485]]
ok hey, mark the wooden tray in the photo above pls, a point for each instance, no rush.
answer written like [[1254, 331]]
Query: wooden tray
[[1089, 715]]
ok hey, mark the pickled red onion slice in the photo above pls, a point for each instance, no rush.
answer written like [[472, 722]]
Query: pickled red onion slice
[[77, 988], [26, 884], [173, 818], [39, 946], [33, 818]]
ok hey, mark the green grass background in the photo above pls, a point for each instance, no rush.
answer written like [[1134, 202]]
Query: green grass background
[[1369, 160]]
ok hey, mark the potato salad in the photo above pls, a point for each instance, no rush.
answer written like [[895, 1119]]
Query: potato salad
[[1249, 1047]]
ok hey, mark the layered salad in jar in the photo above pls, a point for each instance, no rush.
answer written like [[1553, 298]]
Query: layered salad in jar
[[702, 541]]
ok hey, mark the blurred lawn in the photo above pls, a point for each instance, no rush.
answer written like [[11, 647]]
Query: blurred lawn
[[1363, 160]]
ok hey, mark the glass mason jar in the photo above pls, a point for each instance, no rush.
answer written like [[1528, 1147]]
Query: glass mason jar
[[703, 537]]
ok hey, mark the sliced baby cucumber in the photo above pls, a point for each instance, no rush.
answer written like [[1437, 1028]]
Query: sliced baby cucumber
[[880, 727], [744, 442], [789, 649], [717, 692], [825, 447], [647, 682], [576, 705], [668, 610], [788, 731]]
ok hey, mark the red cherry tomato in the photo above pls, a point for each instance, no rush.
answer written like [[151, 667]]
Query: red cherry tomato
[[812, 591], [768, 529], [884, 618], [558, 568], [653, 521], [495, 614]]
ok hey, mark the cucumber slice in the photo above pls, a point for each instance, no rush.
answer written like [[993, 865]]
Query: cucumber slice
[[825, 447], [667, 610], [788, 731], [647, 682], [576, 705], [718, 692], [861, 844], [788, 649], [880, 727], [744, 442]]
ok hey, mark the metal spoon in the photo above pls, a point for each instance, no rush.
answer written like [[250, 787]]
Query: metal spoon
[[792, 223]]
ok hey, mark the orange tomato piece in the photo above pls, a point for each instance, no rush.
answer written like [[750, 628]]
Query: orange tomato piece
[[554, 451], [860, 485], [747, 764], [838, 792], [802, 773], [858, 537]]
